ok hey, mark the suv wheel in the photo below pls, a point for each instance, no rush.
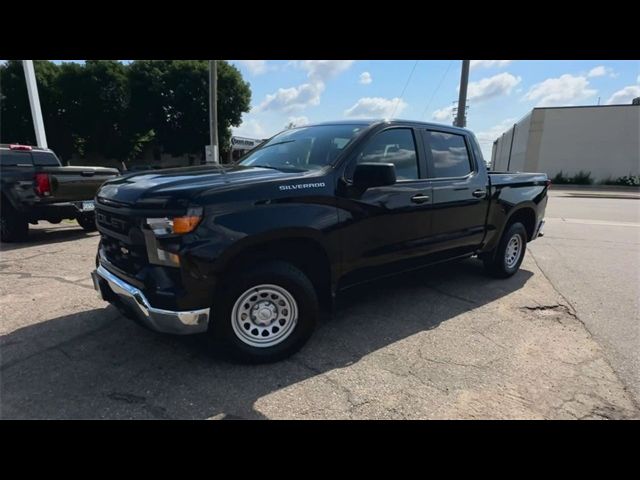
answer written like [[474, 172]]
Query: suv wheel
[[87, 221], [13, 228], [506, 259], [266, 313]]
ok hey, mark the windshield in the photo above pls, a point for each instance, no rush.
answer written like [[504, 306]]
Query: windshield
[[304, 148]]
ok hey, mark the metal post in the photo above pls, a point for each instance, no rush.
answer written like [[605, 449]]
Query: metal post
[[34, 102], [461, 118], [213, 109], [513, 136]]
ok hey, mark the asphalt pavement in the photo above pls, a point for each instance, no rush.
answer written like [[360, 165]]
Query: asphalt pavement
[[591, 255], [555, 341]]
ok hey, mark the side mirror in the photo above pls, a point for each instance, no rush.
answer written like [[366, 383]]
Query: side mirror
[[369, 175]]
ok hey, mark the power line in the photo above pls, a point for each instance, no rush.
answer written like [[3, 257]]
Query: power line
[[404, 89], [437, 88]]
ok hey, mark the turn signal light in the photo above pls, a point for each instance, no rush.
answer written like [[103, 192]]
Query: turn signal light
[[185, 224]]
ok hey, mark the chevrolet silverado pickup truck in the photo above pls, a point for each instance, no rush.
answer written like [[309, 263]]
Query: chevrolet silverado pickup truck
[[250, 253], [35, 186]]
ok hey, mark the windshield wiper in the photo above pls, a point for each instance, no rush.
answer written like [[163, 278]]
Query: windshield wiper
[[277, 143]]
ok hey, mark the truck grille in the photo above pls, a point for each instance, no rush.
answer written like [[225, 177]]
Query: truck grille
[[122, 241]]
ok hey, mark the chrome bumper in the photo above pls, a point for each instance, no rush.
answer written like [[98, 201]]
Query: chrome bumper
[[166, 321]]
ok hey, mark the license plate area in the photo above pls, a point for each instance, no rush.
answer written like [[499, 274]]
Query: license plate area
[[87, 206]]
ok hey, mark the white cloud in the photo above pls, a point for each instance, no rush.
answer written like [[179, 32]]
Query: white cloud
[[560, 91], [444, 114], [625, 95], [598, 71], [294, 98], [376, 107], [251, 128], [638, 79], [307, 94], [501, 84], [365, 78], [323, 70], [488, 63], [255, 67], [601, 71], [298, 121]]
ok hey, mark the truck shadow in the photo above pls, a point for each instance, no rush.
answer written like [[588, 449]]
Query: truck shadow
[[97, 364], [45, 235]]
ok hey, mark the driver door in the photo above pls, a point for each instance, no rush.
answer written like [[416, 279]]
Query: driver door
[[387, 227]]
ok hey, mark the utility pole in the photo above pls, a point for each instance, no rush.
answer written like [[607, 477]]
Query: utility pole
[[212, 155], [34, 102], [461, 118]]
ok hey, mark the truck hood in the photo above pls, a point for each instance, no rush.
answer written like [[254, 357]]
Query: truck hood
[[178, 184]]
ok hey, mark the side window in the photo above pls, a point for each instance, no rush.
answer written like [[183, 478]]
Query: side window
[[9, 157], [449, 153], [395, 146], [45, 159]]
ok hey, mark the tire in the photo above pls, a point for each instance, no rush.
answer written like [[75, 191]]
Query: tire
[[13, 228], [274, 297], [507, 257], [87, 221]]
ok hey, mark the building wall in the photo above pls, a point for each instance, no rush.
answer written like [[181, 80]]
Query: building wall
[[603, 140]]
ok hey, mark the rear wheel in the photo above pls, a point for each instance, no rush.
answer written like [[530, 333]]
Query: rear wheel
[[87, 221], [13, 227], [266, 313], [508, 256]]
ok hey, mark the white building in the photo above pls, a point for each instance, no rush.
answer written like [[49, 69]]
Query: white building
[[603, 140]]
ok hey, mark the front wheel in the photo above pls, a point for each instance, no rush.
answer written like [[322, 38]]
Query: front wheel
[[506, 259], [266, 313], [87, 221]]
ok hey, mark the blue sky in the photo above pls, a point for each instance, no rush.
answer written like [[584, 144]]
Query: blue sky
[[500, 91]]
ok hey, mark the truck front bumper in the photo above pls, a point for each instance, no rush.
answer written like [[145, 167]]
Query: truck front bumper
[[115, 290]]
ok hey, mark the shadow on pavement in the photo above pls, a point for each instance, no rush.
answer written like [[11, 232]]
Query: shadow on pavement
[[97, 364], [48, 235]]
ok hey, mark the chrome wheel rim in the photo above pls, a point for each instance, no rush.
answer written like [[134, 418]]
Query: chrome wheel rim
[[513, 251], [264, 315]]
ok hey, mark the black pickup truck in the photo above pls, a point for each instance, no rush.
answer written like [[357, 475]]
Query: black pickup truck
[[35, 186], [251, 252]]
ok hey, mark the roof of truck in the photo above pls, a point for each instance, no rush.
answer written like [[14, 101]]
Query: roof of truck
[[375, 121]]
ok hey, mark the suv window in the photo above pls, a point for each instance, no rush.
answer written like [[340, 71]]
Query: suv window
[[11, 157], [449, 153], [45, 159], [395, 146]]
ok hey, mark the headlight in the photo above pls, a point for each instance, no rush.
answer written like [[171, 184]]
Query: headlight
[[176, 225]]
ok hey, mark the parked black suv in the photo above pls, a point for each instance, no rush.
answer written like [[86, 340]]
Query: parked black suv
[[35, 186], [250, 253]]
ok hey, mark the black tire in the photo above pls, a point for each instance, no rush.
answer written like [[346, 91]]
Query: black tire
[[87, 221], [275, 273], [501, 265], [13, 227]]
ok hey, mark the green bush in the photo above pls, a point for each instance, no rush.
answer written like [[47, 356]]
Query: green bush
[[582, 178], [625, 181], [560, 179]]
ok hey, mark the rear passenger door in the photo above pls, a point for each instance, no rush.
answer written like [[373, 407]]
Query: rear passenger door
[[459, 189]]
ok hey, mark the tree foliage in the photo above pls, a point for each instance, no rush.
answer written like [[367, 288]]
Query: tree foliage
[[110, 109]]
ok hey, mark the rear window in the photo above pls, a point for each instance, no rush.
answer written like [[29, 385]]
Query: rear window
[[13, 157], [449, 153], [45, 159]]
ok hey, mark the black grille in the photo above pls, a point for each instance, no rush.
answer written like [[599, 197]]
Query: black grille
[[122, 241]]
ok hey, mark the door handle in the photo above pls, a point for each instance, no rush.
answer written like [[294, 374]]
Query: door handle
[[479, 193], [420, 198]]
